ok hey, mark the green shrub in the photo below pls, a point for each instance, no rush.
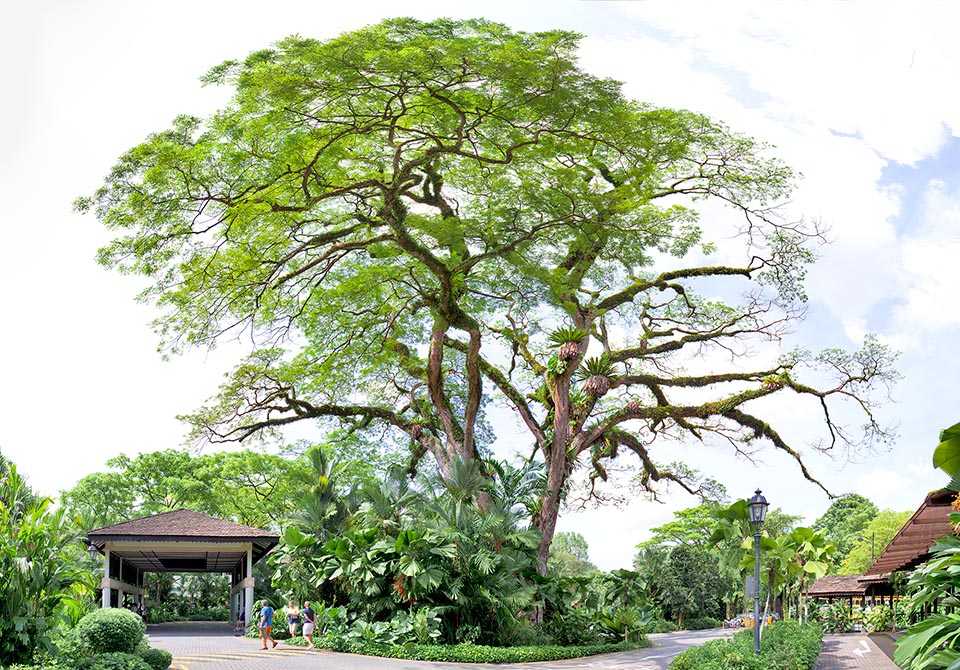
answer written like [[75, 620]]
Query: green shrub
[[785, 646], [702, 623], [158, 659], [571, 627], [111, 630], [662, 627], [836, 618], [879, 618], [115, 661]]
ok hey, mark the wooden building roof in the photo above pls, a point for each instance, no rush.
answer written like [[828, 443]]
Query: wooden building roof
[[835, 586], [910, 547]]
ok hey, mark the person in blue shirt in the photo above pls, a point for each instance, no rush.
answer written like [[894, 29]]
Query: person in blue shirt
[[266, 623]]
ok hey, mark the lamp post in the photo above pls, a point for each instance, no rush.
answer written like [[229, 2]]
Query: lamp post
[[758, 512]]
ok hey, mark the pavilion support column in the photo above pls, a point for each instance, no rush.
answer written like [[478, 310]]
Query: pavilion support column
[[105, 600], [248, 590]]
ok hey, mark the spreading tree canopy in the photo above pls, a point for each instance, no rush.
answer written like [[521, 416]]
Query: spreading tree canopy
[[414, 220]]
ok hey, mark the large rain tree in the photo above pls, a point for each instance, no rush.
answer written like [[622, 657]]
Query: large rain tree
[[416, 222]]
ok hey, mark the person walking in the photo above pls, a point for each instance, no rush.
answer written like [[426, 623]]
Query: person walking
[[309, 623], [266, 624], [293, 618]]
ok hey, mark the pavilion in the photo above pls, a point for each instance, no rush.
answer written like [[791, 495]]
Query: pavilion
[[179, 541], [909, 549]]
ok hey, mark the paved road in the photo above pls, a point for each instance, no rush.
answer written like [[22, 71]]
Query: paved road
[[210, 646]]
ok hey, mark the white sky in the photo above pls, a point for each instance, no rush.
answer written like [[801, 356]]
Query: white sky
[[860, 97]]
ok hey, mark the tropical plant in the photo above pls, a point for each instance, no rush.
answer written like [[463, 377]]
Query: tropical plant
[[42, 566], [879, 618], [934, 643], [627, 623]]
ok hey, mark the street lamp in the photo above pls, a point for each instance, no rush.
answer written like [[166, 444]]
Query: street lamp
[[758, 512]]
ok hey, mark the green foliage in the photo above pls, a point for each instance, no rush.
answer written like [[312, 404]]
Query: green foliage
[[845, 522], [252, 487], [474, 653], [567, 334], [663, 627], [569, 555], [427, 547], [627, 623], [946, 455], [116, 660], [158, 659], [872, 541], [181, 610], [879, 618], [377, 209], [836, 617], [931, 644], [785, 646], [42, 568], [571, 626], [686, 582], [111, 630], [934, 643], [702, 623]]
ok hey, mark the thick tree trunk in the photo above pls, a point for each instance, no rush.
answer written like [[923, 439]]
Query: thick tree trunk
[[549, 512]]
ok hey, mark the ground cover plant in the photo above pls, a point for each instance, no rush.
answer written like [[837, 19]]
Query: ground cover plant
[[786, 645]]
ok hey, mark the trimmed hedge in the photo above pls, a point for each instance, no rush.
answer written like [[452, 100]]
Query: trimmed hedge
[[115, 661], [785, 646], [663, 627], [110, 630], [466, 652], [702, 623]]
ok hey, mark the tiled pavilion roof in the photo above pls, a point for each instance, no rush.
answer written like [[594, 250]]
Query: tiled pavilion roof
[[182, 541], [180, 524], [835, 586], [910, 547]]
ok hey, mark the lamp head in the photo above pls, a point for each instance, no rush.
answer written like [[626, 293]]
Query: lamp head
[[758, 509]]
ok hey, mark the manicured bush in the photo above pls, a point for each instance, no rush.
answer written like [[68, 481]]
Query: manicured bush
[[785, 646], [111, 630], [158, 659], [701, 623], [115, 661], [662, 627]]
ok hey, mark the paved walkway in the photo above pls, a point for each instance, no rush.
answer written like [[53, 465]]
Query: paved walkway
[[852, 652], [213, 646]]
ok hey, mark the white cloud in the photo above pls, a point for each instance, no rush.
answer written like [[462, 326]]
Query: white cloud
[[884, 480], [921, 469]]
